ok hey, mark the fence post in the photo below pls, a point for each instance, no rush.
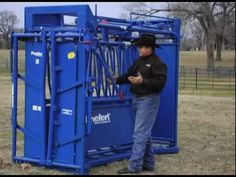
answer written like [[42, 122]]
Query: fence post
[[213, 76], [183, 72], [196, 78]]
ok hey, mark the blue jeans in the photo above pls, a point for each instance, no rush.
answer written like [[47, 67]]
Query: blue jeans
[[146, 109]]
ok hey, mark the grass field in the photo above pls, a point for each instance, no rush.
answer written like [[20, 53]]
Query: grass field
[[206, 137], [199, 59], [187, 58], [206, 130]]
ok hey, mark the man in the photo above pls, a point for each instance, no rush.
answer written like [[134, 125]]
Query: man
[[147, 77]]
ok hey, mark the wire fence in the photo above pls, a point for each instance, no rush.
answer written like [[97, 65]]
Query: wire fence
[[222, 78], [193, 78]]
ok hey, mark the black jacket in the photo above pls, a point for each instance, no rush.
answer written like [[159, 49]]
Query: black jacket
[[153, 71]]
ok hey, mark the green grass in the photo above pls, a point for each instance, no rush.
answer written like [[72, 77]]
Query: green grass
[[187, 58], [208, 92], [199, 59]]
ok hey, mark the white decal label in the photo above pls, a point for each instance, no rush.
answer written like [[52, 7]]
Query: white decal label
[[36, 108], [37, 54], [102, 118], [66, 112], [36, 61]]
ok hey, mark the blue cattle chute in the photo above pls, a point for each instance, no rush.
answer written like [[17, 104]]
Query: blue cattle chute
[[75, 118]]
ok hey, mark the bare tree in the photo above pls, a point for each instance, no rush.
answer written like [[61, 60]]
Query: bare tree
[[207, 14], [8, 20], [203, 12], [229, 37], [225, 15], [198, 35]]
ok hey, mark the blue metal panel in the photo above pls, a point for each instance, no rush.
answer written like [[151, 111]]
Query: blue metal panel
[[14, 96], [87, 116], [38, 16], [164, 128], [65, 117], [35, 125], [110, 127]]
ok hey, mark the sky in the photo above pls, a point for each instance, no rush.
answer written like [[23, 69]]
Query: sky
[[108, 9]]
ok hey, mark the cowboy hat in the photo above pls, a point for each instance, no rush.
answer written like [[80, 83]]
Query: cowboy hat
[[146, 40]]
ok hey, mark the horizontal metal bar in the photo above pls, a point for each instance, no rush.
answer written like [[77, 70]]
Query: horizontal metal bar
[[112, 149], [162, 139], [111, 19], [61, 90], [110, 43], [26, 159], [27, 81], [136, 28], [26, 35], [77, 167], [56, 29], [31, 35], [110, 99], [95, 162], [69, 35], [166, 150], [25, 131], [72, 140], [133, 13]]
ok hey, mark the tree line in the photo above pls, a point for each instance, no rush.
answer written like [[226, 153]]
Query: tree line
[[8, 22], [208, 26]]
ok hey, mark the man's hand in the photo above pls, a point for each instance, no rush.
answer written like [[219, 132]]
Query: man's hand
[[136, 80]]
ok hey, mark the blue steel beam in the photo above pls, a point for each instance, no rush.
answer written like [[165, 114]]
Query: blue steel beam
[[14, 96], [117, 54], [53, 100], [136, 28], [43, 98]]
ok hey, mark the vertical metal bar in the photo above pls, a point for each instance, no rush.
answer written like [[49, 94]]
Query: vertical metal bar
[[196, 78], [213, 73], [110, 75], [11, 53], [81, 97], [99, 69], [118, 59], [14, 97], [81, 109], [89, 111], [96, 10], [108, 57], [53, 99], [178, 23], [113, 65], [76, 102], [43, 99], [92, 70], [104, 76], [89, 97], [95, 70], [125, 59]]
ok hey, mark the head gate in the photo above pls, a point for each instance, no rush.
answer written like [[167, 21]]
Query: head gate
[[75, 118]]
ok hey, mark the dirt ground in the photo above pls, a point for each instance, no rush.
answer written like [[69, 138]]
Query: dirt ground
[[206, 137]]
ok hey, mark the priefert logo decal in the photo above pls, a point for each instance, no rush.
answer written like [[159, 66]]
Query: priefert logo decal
[[37, 54], [102, 118]]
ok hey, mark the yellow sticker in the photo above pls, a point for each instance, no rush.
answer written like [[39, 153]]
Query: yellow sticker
[[93, 84], [71, 55]]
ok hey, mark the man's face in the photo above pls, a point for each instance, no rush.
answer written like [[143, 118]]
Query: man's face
[[145, 51]]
